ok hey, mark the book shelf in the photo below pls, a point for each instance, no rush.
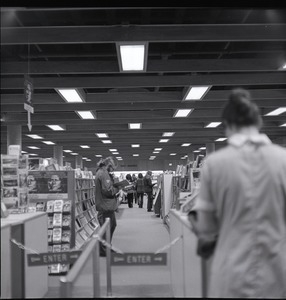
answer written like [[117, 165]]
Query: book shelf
[[86, 222]]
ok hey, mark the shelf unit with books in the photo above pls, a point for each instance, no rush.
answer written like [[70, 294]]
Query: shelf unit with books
[[86, 222]]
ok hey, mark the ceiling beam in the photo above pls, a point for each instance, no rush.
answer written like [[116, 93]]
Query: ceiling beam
[[154, 66], [138, 33], [149, 81]]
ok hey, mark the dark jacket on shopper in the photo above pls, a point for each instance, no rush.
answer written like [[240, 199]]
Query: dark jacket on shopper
[[140, 185], [105, 193], [148, 186]]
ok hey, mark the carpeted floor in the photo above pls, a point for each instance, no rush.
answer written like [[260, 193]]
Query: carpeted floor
[[137, 231]]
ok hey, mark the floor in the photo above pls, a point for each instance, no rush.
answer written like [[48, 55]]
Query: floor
[[137, 231]]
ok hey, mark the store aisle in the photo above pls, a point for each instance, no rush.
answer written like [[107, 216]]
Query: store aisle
[[137, 231]]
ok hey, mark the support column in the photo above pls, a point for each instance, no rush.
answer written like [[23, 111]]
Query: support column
[[210, 147], [78, 161], [58, 155], [14, 136]]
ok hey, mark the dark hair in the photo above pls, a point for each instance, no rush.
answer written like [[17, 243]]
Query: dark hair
[[140, 175], [240, 110], [128, 177]]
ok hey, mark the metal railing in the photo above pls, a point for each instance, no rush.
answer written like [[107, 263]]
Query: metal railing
[[91, 250]]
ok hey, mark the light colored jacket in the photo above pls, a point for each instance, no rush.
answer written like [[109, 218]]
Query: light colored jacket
[[244, 186]]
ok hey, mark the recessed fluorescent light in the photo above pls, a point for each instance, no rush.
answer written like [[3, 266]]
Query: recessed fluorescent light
[[88, 159], [102, 135], [135, 154], [213, 124], [170, 164], [119, 158], [33, 147], [163, 141], [112, 150], [106, 141], [135, 145], [183, 157], [182, 113], [158, 149], [196, 92], [70, 95], [196, 151], [277, 111], [98, 155], [74, 153], [34, 136], [84, 146], [23, 152], [132, 57], [134, 125], [48, 142], [56, 127], [283, 125], [86, 114], [186, 144], [67, 151], [156, 152], [173, 154], [33, 154], [203, 148], [220, 139], [168, 133], [84, 158], [115, 152]]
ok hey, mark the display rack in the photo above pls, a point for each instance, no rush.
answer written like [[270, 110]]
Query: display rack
[[86, 222], [166, 196]]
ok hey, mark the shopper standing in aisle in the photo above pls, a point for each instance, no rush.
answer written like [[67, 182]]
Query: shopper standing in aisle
[[242, 205], [140, 190], [130, 191], [134, 180], [148, 188], [105, 196]]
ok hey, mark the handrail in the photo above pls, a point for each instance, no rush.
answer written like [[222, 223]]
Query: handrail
[[92, 249]]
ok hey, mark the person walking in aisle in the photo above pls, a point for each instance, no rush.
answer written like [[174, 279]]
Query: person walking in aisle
[[140, 190], [134, 180], [148, 188], [130, 191], [105, 196], [241, 206]]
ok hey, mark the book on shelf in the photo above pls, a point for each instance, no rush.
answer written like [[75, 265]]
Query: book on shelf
[[87, 216], [50, 235], [66, 221], [84, 234], [78, 224], [50, 222], [66, 236], [57, 235], [88, 229], [67, 206], [79, 241], [40, 206], [57, 220], [58, 205], [65, 247], [57, 248], [82, 219], [64, 268], [50, 206]]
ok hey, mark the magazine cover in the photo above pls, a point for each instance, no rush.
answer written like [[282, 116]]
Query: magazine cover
[[50, 206], [57, 235], [57, 220], [67, 206], [50, 222], [58, 205], [43, 184], [66, 236], [65, 247], [66, 220]]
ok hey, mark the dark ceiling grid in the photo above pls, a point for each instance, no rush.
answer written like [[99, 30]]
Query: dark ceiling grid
[[75, 47]]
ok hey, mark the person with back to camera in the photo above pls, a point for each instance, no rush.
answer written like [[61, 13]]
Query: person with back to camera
[[241, 208], [105, 196], [140, 190], [129, 190], [148, 188]]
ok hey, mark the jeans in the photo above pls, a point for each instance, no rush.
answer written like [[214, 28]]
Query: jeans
[[130, 199], [101, 216], [150, 201], [140, 199]]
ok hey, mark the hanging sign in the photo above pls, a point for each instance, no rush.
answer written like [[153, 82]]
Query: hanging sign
[[28, 93], [51, 258], [145, 259]]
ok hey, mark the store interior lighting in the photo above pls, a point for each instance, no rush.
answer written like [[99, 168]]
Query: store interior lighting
[[168, 133], [277, 111], [182, 113], [34, 136], [220, 139], [213, 124], [163, 141], [283, 125], [48, 142], [86, 114], [135, 145], [134, 125], [33, 147], [186, 144], [106, 141], [70, 95], [56, 127], [132, 57], [196, 92], [84, 146], [102, 135], [67, 151]]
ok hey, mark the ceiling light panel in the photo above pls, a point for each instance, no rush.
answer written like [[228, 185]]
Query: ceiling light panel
[[102, 135], [168, 133], [163, 141], [220, 139], [182, 113], [213, 124], [135, 145], [33, 147], [34, 136], [84, 146], [48, 142], [71, 95], [134, 125], [56, 127], [277, 111], [67, 151], [86, 114], [186, 144], [106, 141], [196, 92]]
